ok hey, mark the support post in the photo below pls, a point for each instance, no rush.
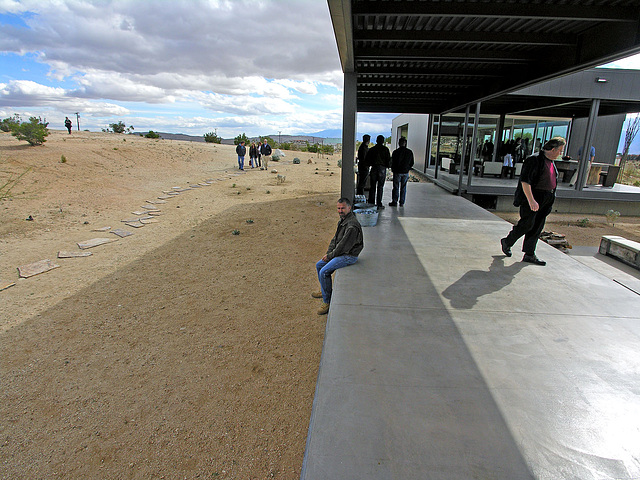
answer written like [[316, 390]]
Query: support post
[[585, 158], [349, 121], [463, 156], [474, 140], [427, 156], [435, 175]]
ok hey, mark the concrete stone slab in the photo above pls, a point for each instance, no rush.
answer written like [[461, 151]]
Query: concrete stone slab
[[36, 268], [445, 359], [73, 254], [94, 242], [121, 233]]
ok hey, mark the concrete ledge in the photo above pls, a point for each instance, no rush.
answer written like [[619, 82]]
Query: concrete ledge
[[622, 249]]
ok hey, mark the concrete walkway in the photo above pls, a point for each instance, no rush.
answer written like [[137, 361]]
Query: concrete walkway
[[443, 359]]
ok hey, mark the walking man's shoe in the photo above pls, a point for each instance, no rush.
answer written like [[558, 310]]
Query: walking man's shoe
[[380, 207], [533, 259], [317, 294], [505, 249], [324, 309], [392, 204]]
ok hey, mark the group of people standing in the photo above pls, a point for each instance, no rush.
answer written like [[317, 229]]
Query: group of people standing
[[258, 154], [373, 163]]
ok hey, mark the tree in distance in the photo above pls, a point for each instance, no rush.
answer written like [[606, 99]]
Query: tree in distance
[[241, 138], [212, 138]]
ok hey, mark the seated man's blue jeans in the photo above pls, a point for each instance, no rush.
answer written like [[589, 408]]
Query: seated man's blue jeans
[[399, 185], [325, 269]]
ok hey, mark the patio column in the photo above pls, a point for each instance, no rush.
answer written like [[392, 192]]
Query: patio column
[[583, 166], [349, 120], [435, 175], [427, 156], [464, 150], [474, 142], [499, 131]]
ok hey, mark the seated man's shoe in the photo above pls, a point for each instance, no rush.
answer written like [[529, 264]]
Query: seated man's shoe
[[317, 294], [505, 249], [392, 204], [533, 259], [324, 309]]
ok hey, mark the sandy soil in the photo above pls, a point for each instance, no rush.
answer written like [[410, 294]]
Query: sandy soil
[[182, 351]]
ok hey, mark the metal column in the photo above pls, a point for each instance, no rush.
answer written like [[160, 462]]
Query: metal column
[[464, 150], [585, 158], [435, 175], [349, 120], [474, 141]]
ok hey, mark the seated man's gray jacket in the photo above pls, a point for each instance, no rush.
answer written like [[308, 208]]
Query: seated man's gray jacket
[[348, 239]]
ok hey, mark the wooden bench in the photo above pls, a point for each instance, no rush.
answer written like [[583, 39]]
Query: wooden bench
[[624, 250]]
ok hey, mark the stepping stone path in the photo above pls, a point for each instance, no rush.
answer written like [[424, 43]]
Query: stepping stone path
[[145, 215]]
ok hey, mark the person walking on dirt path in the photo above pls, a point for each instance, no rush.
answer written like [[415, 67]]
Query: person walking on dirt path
[[265, 151], [68, 124], [241, 150], [344, 248]]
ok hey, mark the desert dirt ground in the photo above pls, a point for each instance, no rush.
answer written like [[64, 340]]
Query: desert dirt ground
[[183, 350]]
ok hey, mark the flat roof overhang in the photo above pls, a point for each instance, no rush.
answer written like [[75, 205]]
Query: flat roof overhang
[[427, 56]]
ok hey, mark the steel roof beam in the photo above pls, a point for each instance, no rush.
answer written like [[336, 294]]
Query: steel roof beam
[[522, 11], [494, 38]]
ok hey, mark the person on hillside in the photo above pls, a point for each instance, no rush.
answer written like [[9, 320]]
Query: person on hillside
[[535, 195], [241, 150], [68, 124], [265, 151], [253, 155], [344, 248], [363, 168], [379, 158], [401, 163]]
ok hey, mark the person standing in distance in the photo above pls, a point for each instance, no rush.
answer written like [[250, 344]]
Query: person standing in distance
[[535, 195], [68, 124], [265, 151], [241, 150], [363, 168], [401, 163], [344, 248], [379, 158]]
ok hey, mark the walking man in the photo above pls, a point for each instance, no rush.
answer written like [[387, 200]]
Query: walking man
[[68, 124], [344, 248], [265, 151], [535, 195], [401, 163], [241, 150], [379, 158]]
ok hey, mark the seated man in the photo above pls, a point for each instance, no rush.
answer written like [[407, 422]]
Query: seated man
[[344, 248]]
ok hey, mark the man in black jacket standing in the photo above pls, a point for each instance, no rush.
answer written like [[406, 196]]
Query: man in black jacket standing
[[401, 163], [535, 196], [379, 158], [363, 168]]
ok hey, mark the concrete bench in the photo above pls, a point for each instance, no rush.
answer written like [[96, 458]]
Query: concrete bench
[[491, 168], [624, 250]]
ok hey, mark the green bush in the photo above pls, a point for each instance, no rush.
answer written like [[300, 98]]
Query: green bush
[[296, 161], [9, 123], [275, 157], [119, 127], [241, 138], [212, 138], [152, 134], [33, 131]]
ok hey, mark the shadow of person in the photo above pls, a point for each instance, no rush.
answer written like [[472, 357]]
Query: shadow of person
[[465, 292]]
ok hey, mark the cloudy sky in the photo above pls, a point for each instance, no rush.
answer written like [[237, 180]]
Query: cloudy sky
[[181, 66]]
